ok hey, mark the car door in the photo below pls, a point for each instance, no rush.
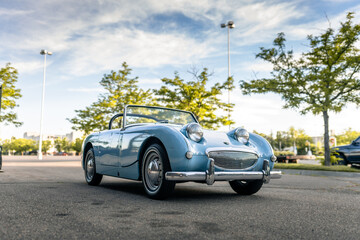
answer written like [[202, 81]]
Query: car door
[[131, 144], [109, 151]]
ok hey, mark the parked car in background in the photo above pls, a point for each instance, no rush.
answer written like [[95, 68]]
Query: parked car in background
[[349, 154], [61, 154], [162, 147]]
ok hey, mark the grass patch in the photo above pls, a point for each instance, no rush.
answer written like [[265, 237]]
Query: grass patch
[[336, 168]]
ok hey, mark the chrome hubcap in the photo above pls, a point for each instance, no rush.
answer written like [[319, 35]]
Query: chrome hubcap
[[90, 168], [153, 171]]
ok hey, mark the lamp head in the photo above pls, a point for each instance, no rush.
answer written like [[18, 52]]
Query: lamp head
[[231, 24], [43, 52]]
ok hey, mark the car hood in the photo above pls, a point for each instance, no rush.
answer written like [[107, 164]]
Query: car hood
[[342, 146], [226, 140]]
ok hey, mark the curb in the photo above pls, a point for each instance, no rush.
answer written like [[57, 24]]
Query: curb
[[320, 173]]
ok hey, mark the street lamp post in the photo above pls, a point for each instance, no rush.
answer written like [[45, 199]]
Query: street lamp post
[[42, 52], [1, 86], [230, 24]]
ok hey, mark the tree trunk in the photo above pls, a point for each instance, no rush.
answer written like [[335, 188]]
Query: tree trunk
[[326, 138]]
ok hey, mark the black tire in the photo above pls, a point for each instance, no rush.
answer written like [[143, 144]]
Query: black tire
[[155, 164], [91, 177], [246, 187]]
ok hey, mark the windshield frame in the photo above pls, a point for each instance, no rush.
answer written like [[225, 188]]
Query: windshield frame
[[154, 107]]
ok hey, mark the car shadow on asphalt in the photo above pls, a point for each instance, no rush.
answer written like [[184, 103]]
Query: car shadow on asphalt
[[181, 192], [131, 187]]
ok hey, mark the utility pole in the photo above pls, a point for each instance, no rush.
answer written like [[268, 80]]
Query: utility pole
[[42, 52], [230, 24]]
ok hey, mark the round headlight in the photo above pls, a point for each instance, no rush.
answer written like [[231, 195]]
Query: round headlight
[[242, 135], [195, 132]]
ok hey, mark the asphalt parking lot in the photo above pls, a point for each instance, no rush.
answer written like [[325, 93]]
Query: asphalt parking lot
[[49, 199]]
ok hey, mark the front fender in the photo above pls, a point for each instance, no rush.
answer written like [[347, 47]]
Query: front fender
[[89, 141], [175, 144], [263, 148]]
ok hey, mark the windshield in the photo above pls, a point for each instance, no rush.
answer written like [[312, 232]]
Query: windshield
[[145, 114]]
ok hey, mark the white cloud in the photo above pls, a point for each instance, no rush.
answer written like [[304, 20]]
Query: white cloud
[[12, 12], [28, 66], [321, 24], [87, 90], [108, 49], [150, 81], [258, 66]]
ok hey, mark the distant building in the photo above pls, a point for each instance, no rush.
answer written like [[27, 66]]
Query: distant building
[[318, 141], [74, 135], [36, 136], [70, 136], [32, 136]]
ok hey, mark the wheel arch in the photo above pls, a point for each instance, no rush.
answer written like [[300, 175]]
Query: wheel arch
[[86, 149], [149, 141], [342, 154]]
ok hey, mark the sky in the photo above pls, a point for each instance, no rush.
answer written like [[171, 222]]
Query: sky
[[156, 38]]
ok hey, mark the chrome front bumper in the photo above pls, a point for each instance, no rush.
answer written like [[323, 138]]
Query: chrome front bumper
[[210, 176]]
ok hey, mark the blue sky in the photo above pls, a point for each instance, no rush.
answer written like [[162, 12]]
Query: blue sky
[[156, 38]]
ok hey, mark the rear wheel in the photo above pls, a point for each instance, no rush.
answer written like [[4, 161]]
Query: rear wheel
[[155, 164], [246, 187], [91, 177]]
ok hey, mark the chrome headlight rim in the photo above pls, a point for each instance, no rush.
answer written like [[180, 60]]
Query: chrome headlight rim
[[195, 132], [241, 135]]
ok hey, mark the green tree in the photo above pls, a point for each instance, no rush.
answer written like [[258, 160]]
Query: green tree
[[120, 91], [301, 139], [6, 146], [46, 145], [62, 144], [321, 80], [347, 137], [22, 145], [269, 138], [77, 144], [285, 139], [9, 95], [195, 97]]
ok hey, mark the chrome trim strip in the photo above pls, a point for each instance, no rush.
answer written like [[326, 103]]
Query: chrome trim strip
[[219, 176], [266, 171], [230, 149], [124, 117], [185, 176], [210, 173], [275, 174]]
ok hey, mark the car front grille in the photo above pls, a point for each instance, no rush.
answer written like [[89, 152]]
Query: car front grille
[[233, 159]]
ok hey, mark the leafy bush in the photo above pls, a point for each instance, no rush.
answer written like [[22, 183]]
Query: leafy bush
[[334, 160]]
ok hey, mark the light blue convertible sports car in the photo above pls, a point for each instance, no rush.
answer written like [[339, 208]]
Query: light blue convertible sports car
[[162, 147]]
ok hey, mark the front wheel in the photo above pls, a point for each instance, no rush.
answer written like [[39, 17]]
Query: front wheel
[[91, 177], [342, 160], [155, 164], [246, 187]]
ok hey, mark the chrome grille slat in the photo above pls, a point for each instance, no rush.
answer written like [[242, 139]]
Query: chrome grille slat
[[233, 159]]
